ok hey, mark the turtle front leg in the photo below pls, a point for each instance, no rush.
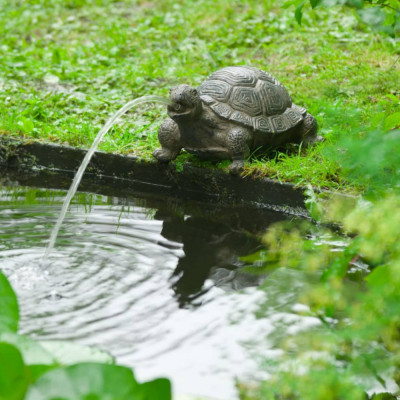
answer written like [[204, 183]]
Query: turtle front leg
[[238, 138], [170, 140]]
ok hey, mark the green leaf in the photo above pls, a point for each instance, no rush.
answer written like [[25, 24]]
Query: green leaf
[[397, 22], [332, 3], [315, 3], [71, 353], [9, 314], [356, 3], [337, 269], [96, 381], [312, 204], [56, 56], [392, 121], [14, 377], [32, 352], [384, 396], [299, 12], [26, 124], [35, 371], [379, 277], [254, 257], [289, 3], [373, 16], [159, 389], [84, 381]]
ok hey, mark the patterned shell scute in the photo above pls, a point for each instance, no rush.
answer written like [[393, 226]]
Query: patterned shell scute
[[275, 99], [299, 109], [262, 124], [294, 116], [279, 124], [207, 99], [241, 117], [265, 76], [222, 109], [236, 76], [217, 90], [246, 100], [290, 118], [252, 98]]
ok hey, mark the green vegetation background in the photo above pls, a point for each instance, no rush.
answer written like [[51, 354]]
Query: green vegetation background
[[67, 65]]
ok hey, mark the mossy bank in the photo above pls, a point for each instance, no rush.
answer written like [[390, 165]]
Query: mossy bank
[[69, 65]]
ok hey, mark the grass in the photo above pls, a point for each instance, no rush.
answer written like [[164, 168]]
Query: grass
[[67, 65]]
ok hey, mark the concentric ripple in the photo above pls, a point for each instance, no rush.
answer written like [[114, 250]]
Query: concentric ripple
[[161, 289], [156, 289]]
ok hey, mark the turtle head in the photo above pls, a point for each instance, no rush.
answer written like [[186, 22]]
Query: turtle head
[[186, 103]]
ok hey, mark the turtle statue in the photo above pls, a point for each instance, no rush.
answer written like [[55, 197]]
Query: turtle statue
[[234, 112]]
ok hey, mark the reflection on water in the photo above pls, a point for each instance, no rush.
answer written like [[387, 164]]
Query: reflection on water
[[211, 251], [159, 285]]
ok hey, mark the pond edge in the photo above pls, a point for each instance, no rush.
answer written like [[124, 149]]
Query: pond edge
[[23, 159]]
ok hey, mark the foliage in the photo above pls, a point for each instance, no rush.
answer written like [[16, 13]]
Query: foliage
[[48, 370], [371, 158], [13, 374], [381, 15], [353, 291], [68, 65], [9, 307], [99, 381]]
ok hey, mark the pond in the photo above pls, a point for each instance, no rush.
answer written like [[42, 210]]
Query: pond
[[158, 283]]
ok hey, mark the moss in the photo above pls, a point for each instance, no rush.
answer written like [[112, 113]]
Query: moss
[[68, 66]]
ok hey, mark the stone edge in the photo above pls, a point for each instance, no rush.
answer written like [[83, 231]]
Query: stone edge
[[25, 157]]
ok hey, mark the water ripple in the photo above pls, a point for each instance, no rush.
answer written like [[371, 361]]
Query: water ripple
[[157, 292]]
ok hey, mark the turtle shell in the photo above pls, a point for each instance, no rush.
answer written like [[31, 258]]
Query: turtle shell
[[251, 97]]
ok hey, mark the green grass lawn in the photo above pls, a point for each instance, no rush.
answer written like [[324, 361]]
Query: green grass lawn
[[67, 65]]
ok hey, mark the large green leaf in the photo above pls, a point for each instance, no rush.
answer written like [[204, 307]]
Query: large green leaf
[[35, 371], [14, 378], [32, 352], [356, 3], [54, 352], [392, 121], [373, 16], [9, 313], [159, 389], [298, 13], [315, 3], [95, 382], [71, 353]]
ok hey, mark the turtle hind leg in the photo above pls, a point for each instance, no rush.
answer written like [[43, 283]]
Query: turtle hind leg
[[238, 138], [308, 131], [170, 140]]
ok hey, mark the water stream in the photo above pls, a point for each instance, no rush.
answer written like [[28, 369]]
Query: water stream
[[88, 157]]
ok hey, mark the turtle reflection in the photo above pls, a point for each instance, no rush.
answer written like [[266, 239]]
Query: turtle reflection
[[212, 251]]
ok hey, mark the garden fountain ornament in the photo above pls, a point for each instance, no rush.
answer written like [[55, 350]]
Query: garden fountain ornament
[[234, 112]]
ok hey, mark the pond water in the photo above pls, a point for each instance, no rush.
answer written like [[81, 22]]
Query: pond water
[[159, 285]]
